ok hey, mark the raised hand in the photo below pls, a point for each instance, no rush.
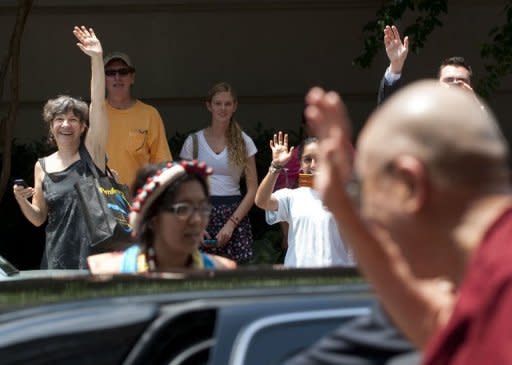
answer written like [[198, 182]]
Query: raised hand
[[87, 41], [327, 116], [97, 135], [395, 49], [279, 146]]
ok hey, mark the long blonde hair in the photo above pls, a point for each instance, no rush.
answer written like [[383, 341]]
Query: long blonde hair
[[237, 151]]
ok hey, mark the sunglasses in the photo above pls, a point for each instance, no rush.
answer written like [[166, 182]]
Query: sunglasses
[[185, 210], [120, 71]]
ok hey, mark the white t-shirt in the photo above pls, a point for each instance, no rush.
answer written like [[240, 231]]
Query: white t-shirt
[[313, 237], [225, 180]]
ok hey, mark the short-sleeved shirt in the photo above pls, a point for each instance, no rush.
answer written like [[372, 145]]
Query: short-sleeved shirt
[[480, 329], [136, 137], [313, 236], [225, 180]]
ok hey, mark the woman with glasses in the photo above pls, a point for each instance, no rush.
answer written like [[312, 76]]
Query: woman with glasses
[[170, 212], [230, 152], [79, 132]]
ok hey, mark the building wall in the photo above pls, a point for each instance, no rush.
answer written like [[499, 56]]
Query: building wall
[[271, 51]]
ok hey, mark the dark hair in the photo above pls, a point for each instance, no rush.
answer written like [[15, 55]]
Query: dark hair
[[304, 143], [167, 197], [61, 105], [455, 61]]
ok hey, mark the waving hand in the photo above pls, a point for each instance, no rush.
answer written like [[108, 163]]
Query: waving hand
[[279, 146], [87, 41], [395, 49]]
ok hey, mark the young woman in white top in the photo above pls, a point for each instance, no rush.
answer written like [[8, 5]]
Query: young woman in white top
[[230, 152]]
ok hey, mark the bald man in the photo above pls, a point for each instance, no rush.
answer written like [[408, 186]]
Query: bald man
[[435, 203]]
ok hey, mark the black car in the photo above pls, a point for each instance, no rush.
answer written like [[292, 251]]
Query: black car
[[247, 316]]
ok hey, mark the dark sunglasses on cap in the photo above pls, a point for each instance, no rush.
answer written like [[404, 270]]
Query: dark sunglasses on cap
[[120, 71]]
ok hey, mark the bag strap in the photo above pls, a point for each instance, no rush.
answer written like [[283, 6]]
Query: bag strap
[[195, 146], [110, 173], [42, 162], [86, 157]]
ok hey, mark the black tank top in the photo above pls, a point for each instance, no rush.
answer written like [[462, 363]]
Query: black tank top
[[67, 238]]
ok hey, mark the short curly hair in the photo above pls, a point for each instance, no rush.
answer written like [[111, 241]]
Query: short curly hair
[[61, 105]]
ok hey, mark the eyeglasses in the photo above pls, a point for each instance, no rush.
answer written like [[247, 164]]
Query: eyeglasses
[[120, 71], [185, 210]]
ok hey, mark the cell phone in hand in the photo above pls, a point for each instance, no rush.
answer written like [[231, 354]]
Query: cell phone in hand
[[20, 182], [210, 242]]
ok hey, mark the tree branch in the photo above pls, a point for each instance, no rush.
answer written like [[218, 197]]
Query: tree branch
[[391, 13], [12, 59]]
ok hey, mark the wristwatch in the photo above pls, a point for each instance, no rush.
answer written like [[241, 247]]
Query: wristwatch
[[275, 169]]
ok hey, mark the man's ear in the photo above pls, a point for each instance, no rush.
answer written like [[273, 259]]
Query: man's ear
[[209, 106], [413, 177]]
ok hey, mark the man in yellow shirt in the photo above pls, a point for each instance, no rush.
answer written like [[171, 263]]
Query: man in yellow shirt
[[137, 133]]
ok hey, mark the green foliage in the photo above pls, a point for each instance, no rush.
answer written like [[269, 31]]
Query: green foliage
[[428, 18], [267, 249], [497, 52], [498, 55]]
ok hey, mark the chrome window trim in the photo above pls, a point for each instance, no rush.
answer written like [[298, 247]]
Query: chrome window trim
[[192, 350], [244, 338]]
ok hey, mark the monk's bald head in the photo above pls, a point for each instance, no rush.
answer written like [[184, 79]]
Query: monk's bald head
[[445, 128]]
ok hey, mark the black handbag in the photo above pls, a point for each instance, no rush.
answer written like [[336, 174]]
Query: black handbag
[[105, 207]]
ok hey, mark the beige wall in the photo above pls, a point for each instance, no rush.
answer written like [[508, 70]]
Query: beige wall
[[271, 51]]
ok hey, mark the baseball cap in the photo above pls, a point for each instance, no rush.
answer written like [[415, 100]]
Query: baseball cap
[[118, 56]]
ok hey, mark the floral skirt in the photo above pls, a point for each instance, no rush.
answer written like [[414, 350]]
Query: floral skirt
[[239, 247]]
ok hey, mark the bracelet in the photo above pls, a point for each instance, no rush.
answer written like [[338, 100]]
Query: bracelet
[[273, 169], [277, 167], [234, 220]]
